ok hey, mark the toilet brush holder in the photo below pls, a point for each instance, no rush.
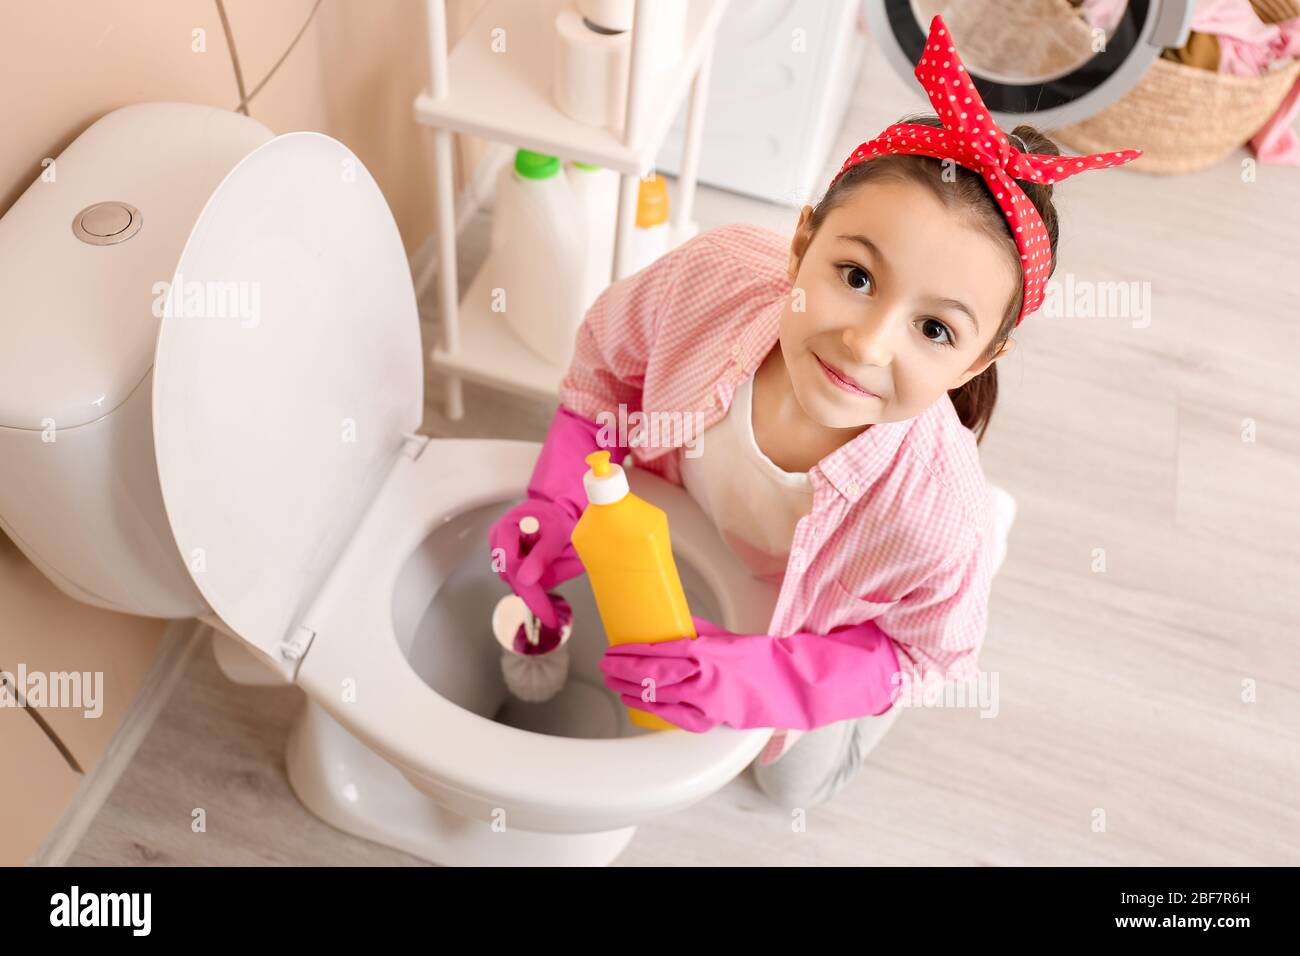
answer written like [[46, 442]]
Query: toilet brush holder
[[534, 657]]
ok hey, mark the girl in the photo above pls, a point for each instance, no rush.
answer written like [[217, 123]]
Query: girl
[[844, 380]]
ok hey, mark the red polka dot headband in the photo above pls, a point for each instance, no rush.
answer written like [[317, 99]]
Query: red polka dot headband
[[970, 138]]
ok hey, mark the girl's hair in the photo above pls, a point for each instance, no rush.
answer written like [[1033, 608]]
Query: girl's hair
[[969, 195]]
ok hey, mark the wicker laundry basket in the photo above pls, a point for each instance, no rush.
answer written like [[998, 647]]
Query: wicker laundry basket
[[1185, 118]]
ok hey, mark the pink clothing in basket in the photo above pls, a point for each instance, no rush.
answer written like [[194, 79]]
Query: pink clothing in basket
[[901, 526]]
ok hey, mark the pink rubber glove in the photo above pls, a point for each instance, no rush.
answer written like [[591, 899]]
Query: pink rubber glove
[[533, 565], [753, 680]]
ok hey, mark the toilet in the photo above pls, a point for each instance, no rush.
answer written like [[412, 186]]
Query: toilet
[[211, 387]]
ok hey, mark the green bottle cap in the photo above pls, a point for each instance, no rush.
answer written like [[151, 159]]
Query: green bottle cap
[[587, 166], [532, 165]]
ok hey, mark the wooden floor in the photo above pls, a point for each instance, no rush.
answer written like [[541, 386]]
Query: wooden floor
[[1149, 713]]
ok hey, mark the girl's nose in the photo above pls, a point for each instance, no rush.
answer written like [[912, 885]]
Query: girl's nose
[[869, 342]]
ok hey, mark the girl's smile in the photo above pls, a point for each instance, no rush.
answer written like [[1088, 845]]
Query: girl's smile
[[840, 380]]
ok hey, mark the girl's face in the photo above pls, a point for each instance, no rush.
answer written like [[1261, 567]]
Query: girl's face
[[880, 284]]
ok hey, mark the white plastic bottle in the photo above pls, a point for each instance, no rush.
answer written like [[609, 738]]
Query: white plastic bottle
[[595, 190], [538, 255]]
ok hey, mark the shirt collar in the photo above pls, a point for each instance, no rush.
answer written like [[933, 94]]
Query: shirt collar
[[853, 467]]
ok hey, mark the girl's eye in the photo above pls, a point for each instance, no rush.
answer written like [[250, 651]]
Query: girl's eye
[[946, 341], [860, 271]]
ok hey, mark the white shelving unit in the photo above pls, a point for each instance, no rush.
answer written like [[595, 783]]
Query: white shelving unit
[[506, 97]]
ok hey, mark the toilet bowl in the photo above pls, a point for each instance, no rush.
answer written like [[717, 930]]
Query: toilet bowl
[[217, 416], [408, 600]]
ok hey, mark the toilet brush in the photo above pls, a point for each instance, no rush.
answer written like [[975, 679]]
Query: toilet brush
[[534, 657]]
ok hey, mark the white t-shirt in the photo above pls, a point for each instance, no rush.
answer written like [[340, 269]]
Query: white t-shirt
[[753, 503]]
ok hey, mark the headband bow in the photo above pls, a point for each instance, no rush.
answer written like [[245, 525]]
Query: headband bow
[[970, 138]]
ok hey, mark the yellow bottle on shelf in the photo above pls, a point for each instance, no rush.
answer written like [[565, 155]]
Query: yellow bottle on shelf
[[622, 541]]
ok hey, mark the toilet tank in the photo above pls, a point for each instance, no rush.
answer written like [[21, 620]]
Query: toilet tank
[[80, 308]]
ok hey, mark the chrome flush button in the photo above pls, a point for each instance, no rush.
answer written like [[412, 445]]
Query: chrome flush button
[[105, 223]]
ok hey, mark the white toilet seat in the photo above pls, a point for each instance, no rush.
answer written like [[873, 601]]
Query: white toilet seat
[[296, 490], [473, 764], [287, 371]]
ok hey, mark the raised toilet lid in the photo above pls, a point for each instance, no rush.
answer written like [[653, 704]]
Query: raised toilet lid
[[287, 371]]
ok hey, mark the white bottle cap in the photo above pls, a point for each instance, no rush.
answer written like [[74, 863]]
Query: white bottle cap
[[604, 481]]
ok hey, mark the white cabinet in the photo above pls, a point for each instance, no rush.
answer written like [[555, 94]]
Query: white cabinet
[[781, 79], [503, 93]]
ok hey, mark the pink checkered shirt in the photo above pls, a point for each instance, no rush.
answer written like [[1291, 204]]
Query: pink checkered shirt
[[901, 527]]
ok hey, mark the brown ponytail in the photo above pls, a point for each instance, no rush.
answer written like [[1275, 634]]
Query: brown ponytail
[[975, 400]]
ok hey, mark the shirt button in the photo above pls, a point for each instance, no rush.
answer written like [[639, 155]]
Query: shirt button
[[735, 350], [796, 558], [853, 490]]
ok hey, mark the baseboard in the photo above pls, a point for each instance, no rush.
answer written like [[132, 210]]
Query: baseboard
[[178, 645]]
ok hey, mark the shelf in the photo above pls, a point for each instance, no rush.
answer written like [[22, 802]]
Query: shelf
[[507, 96], [491, 354]]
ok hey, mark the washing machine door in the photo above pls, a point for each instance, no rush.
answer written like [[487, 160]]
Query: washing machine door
[[1048, 63], [287, 371]]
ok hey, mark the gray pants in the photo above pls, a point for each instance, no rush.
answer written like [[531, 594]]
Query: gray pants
[[822, 761]]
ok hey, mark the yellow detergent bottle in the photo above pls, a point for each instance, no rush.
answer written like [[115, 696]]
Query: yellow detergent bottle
[[622, 541]]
